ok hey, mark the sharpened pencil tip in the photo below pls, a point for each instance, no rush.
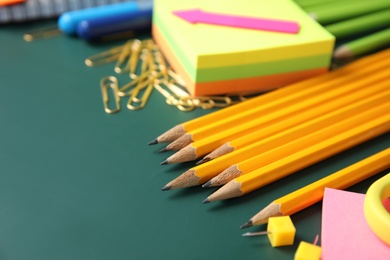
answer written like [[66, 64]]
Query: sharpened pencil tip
[[247, 224], [163, 150], [153, 142], [207, 184], [166, 187], [203, 161], [206, 201], [164, 162]]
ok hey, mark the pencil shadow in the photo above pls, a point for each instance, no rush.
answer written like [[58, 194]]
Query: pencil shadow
[[259, 243], [191, 191], [263, 242], [179, 167], [240, 201]]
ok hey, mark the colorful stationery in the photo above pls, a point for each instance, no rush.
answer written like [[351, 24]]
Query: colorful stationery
[[215, 59]]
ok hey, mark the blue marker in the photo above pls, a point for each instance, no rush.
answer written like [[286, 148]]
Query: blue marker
[[69, 21], [137, 17]]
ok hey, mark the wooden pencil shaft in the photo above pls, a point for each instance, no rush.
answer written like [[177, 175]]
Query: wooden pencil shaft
[[340, 12], [279, 104], [211, 169], [353, 67], [360, 24], [313, 193], [313, 154], [288, 165], [284, 144], [207, 145], [344, 123], [365, 44], [339, 180], [292, 88], [321, 112], [212, 142]]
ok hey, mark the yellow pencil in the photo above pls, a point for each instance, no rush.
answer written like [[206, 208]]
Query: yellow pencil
[[379, 124], [204, 172], [179, 130], [260, 112], [207, 145], [314, 192], [266, 157], [245, 140]]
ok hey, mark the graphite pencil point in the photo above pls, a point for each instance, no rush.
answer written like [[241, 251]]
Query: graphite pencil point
[[247, 224], [166, 187], [206, 201], [153, 142], [163, 150], [203, 161], [164, 162], [207, 184]]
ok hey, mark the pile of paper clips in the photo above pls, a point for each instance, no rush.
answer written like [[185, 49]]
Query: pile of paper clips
[[148, 70]]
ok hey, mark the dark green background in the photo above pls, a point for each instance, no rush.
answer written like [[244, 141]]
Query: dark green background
[[77, 183]]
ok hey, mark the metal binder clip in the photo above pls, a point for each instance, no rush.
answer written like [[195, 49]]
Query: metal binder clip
[[105, 84]]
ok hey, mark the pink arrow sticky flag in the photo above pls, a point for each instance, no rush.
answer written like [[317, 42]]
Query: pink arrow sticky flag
[[264, 24]]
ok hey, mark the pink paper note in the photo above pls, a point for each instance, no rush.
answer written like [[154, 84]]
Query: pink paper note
[[345, 233], [256, 23]]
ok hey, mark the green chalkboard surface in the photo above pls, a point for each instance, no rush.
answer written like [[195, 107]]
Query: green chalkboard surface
[[77, 183]]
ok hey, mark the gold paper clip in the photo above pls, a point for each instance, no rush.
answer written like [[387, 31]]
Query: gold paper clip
[[141, 102], [148, 44], [104, 57], [176, 78], [147, 62], [173, 100], [186, 106], [202, 102], [43, 33], [132, 83], [170, 99], [133, 60], [146, 94], [178, 91], [110, 82], [125, 53], [222, 101]]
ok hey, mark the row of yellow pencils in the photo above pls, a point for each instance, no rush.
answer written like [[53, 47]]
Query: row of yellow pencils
[[251, 144]]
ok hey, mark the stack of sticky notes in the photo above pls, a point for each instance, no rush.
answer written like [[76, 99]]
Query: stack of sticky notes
[[226, 59]]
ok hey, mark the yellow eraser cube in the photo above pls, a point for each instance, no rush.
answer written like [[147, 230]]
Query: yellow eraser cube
[[307, 251], [281, 231]]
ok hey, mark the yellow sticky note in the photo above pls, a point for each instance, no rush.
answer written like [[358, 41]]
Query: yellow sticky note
[[307, 251], [212, 57], [281, 231]]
